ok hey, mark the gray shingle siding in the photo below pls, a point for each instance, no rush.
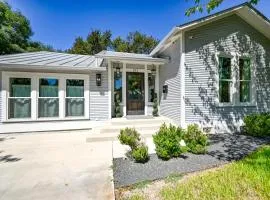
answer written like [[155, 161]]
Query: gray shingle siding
[[99, 99], [170, 75], [231, 34]]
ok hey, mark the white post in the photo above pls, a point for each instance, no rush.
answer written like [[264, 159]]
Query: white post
[[124, 89], [109, 90], [34, 98], [157, 87], [62, 86], [145, 89]]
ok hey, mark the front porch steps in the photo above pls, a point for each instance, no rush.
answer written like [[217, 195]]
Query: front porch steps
[[146, 127]]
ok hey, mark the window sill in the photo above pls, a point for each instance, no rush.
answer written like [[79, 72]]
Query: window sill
[[44, 119]]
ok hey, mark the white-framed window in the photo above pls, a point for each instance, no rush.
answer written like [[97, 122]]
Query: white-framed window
[[235, 80], [19, 99], [48, 98], [44, 96], [75, 101]]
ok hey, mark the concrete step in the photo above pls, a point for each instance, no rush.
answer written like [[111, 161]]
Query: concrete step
[[139, 128], [134, 122]]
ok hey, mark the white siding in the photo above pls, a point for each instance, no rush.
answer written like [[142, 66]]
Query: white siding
[[170, 104], [99, 100], [231, 34]]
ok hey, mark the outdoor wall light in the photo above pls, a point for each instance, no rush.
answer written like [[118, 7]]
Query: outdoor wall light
[[165, 89], [98, 79], [118, 71], [153, 71]]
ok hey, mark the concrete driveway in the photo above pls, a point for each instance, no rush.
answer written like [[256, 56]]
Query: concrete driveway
[[55, 166]]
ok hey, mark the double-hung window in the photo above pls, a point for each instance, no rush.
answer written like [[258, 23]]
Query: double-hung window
[[48, 100], [225, 80], [235, 80], [74, 98], [244, 80], [19, 100]]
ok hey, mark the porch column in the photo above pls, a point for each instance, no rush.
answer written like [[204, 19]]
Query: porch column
[[124, 89], [145, 89], [109, 89]]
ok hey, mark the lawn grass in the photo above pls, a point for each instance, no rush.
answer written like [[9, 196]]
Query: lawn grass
[[246, 179]]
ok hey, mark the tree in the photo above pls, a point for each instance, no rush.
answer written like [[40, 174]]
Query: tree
[[79, 47], [98, 41], [38, 46], [15, 30], [209, 6], [135, 42]]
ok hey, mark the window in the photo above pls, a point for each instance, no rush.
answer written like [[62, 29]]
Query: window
[[74, 97], [48, 100], [19, 100], [117, 86], [225, 80], [151, 87], [245, 80]]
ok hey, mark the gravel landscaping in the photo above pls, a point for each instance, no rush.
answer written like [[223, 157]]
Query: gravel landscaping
[[223, 148]]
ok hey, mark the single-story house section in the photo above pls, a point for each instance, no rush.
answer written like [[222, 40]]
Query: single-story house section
[[212, 71]]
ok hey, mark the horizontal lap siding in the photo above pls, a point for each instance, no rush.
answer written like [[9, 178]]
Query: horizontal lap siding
[[231, 34], [170, 75], [1, 106], [99, 99]]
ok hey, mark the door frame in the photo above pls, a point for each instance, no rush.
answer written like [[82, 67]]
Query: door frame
[[137, 112]]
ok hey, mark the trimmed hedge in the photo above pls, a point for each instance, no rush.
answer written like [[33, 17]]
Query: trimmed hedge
[[257, 124]]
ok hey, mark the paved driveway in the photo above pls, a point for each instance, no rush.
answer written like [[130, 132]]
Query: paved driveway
[[55, 166]]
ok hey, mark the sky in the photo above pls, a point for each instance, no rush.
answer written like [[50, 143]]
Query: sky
[[59, 22]]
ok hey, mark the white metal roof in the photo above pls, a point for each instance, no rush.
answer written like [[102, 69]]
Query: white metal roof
[[130, 56], [47, 60]]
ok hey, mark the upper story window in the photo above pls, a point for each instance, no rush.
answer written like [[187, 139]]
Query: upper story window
[[225, 80], [235, 80]]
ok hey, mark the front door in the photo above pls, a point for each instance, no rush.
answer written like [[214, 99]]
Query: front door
[[135, 93]]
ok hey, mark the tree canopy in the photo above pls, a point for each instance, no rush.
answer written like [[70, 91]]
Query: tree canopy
[[15, 32], [209, 5]]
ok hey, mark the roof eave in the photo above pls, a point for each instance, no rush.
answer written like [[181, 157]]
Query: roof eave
[[148, 60]]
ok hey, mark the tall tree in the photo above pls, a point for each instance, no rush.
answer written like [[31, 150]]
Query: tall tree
[[15, 30], [209, 6], [38, 46], [79, 47], [135, 42], [98, 41]]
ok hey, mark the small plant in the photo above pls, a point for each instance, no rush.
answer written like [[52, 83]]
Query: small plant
[[167, 142], [140, 154], [195, 139], [257, 124], [130, 137], [117, 106], [155, 106]]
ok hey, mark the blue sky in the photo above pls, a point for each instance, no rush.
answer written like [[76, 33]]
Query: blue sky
[[58, 22]]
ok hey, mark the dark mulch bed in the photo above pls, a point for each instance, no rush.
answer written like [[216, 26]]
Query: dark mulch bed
[[223, 149]]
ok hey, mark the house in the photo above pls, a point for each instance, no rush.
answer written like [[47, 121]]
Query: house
[[212, 71]]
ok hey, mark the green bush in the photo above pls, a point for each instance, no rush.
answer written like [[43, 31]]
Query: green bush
[[195, 139], [257, 124], [155, 106], [117, 109], [140, 154], [130, 137], [167, 142]]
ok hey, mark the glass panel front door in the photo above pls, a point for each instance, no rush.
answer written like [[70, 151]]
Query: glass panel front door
[[135, 93]]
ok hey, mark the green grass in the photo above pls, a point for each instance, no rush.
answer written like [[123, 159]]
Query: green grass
[[246, 179]]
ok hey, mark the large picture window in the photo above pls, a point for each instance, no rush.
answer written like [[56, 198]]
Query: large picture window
[[19, 100], [48, 100], [225, 80], [74, 97], [245, 80]]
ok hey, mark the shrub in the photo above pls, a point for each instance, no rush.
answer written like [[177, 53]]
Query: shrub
[[130, 137], [140, 154], [167, 142], [257, 124], [117, 106], [155, 106], [195, 139]]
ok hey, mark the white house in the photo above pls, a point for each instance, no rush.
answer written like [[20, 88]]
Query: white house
[[212, 71]]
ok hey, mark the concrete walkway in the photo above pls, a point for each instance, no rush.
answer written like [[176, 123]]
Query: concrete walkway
[[55, 166]]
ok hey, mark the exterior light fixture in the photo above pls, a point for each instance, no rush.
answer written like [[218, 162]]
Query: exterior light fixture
[[153, 71], [118, 71], [98, 79]]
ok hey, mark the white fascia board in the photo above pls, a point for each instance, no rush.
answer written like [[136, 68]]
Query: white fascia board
[[160, 61], [163, 41]]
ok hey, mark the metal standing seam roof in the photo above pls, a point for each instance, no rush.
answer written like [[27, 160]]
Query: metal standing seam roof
[[51, 59]]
